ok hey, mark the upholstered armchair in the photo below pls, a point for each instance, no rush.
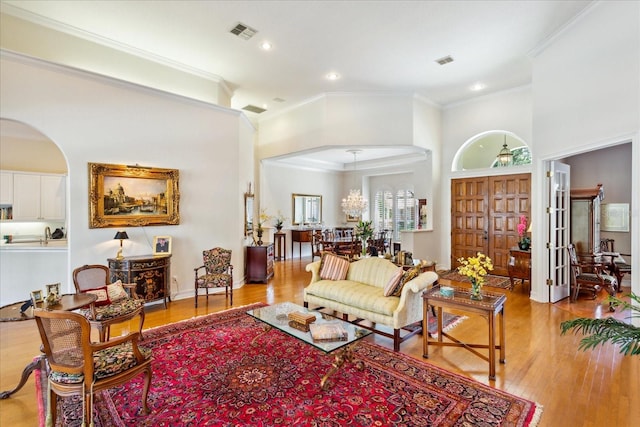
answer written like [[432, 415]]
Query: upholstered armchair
[[218, 273], [116, 303], [80, 367]]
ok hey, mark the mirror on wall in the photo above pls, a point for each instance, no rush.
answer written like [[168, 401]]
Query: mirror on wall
[[248, 213], [306, 209]]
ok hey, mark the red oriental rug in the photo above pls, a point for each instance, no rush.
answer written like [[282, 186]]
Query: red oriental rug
[[206, 372]]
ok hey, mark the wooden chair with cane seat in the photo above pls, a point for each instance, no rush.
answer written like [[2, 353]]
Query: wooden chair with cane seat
[[80, 367], [117, 302], [218, 273], [589, 276]]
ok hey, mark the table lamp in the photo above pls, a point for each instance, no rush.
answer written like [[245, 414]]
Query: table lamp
[[121, 235]]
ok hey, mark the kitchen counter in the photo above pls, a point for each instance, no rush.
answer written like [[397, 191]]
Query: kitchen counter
[[35, 245]]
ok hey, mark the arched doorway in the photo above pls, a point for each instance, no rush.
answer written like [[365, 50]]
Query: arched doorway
[[34, 202]]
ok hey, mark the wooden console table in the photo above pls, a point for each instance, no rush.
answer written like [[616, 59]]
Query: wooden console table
[[301, 236], [519, 266], [151, 274], [490, 306]]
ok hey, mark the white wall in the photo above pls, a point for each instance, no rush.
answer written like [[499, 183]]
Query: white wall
[[586, 95], [95, 119]]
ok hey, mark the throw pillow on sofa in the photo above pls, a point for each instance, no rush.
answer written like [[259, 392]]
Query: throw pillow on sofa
[[394, 282], [406, 277], [333, 267]]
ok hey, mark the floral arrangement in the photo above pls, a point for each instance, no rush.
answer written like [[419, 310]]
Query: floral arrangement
[[525, 241], [263, 218], [364, 231], [279, 220], [475, 268]]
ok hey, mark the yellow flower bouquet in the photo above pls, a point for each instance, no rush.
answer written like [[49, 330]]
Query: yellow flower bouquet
[[475, 268]]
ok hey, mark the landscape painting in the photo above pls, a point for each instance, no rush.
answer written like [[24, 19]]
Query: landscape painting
[[121, 195]]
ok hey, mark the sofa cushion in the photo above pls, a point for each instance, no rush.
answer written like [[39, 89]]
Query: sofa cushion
[[354, 294], [333, 267], [406, 277], [394, 282]]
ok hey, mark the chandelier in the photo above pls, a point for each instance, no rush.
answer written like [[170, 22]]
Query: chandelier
[[355, 203], [505, 156]]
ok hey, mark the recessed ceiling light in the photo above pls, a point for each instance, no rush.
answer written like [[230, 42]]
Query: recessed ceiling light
[[333, 76], [477, 86], [265, 45]]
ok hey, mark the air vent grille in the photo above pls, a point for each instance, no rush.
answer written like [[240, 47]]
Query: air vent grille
[[243, 31], [254, 109], [444, 60], [278, 100]]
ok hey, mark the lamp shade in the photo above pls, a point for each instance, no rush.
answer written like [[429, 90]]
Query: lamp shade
[[121, 235]]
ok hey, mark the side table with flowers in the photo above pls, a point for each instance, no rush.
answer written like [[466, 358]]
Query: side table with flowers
[[475, 268]]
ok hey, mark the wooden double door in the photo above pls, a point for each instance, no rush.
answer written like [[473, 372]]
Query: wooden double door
[[485, 212]]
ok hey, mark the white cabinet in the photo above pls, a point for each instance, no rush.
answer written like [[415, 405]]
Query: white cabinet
[[38, 197], [6, 188]]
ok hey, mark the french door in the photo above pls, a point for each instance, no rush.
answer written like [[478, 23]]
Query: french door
[[558, 211], [485, 212]]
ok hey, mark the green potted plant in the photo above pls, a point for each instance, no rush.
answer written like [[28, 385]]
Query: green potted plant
[[364, 232], [608, 329]]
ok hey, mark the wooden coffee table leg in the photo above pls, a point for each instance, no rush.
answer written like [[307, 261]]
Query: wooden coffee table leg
[[343, 356]]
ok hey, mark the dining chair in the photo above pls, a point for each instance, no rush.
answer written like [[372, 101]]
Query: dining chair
[[79, 367], [117, 302]]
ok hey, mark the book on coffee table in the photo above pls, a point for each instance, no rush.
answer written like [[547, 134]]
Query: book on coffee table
[[327, 332]]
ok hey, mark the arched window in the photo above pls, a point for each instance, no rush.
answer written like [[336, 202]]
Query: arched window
[[481, 151]]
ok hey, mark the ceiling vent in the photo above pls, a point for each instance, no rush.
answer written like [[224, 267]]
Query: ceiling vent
[[243, 31], [254, 109], [444, 60], [278, 100]]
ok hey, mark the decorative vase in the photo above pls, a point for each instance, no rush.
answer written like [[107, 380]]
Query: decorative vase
[[259, 237], [279, 228], [475, 290], [524, 245]]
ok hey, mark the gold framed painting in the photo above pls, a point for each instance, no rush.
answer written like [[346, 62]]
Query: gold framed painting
[[352, 218], [128, 196]]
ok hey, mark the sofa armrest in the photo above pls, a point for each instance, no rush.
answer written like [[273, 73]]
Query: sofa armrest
[[314, 269], [421, 283]]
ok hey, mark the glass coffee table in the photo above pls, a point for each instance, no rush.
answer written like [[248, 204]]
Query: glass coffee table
[[277, 316]]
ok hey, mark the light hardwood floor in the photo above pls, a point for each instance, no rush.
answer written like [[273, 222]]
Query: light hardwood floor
[[594, 388]]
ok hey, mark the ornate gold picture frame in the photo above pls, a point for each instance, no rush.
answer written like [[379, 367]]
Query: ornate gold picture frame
[[121, 196]]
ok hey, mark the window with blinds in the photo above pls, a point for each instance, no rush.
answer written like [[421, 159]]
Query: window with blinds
[[395, 212]]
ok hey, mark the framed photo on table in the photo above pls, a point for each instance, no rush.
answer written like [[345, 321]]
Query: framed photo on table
[[36, 297], [53, 288], [162, 245]]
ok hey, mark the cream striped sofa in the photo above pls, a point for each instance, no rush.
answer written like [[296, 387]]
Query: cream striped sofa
[[361, 296]]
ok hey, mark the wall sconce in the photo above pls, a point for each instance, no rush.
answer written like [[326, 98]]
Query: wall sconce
[[121, 235], [505, 155]]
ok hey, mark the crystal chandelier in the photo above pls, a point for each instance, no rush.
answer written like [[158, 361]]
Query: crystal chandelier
[[355, 203]]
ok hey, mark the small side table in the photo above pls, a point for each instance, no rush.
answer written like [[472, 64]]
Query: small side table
[[490, 306], [519, 266], [280, 242]]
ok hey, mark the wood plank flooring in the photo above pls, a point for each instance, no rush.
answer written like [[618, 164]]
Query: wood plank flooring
[[594, 388]]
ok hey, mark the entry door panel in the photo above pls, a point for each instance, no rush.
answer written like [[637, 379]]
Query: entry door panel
[[469, 199], [485, 212]]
